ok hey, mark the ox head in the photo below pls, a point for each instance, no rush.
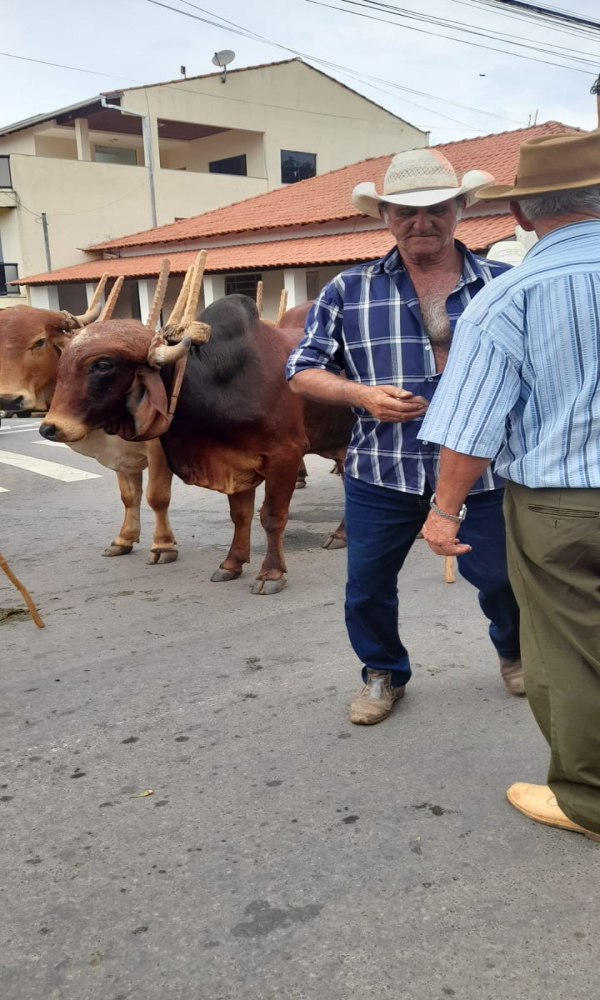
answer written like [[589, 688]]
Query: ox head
[[30, 344], [109, 376]]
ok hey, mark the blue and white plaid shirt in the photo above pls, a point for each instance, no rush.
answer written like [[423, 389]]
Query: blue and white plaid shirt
[[367, 322], [523, 378]]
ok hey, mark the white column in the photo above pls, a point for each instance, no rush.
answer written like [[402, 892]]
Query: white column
[[294, 281], [214, 288], [82, 138], [146, 290], [90, 288], [44, 297]]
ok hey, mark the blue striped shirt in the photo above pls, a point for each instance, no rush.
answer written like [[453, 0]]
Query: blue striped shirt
[[523, 377], [367, 322]]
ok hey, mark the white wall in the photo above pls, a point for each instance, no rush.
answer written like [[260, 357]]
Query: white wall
[[295, 106], [197, 154]]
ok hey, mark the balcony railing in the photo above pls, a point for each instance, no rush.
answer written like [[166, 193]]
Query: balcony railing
[[5, 178], [8, 273]]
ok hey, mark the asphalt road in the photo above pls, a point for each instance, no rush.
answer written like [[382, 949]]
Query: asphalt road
[[283, 854]]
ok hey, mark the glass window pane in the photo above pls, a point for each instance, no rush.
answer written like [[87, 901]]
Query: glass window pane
[[5, 180], [115, 154], [297, 166], [231, 165]]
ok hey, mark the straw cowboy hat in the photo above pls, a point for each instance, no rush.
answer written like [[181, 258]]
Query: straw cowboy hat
[[551, 163], [418, 178]]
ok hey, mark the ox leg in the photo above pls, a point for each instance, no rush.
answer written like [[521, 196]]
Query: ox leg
[[301, 476], [130, 485], [338, 539], [241, 509], [280, 478], [158, 495]]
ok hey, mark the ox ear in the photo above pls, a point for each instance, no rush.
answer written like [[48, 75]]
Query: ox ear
[[148, 405]]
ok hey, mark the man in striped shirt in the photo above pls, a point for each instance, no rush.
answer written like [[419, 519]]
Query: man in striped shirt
[[388, 326], [523, 386]]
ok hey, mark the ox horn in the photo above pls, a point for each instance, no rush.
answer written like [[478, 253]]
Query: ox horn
[[177, 310], [159, 295], [96, 300], [260, 289], [161, 353], [111, 301], [283, 301], [194, 290]]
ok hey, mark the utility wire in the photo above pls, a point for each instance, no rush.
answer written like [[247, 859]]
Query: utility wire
[[442, 22], [364, 77], [423, 31]]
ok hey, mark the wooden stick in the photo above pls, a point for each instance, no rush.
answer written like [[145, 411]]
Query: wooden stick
[[23, 591], [283, 300], [159, 295], [111, 301], [259, 298], [449, 569]]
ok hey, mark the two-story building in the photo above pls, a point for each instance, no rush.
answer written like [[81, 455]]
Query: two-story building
[[297, 237], [148, 156]]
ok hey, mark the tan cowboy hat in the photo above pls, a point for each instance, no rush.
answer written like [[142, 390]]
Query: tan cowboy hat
[[418, 178], [551, 163]]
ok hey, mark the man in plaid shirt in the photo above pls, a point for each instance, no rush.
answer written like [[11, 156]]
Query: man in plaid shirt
[[388, 326]]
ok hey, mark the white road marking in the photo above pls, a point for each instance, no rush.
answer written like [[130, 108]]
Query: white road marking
[[51, 469], [3, 490], [18, 430], [53, 444]]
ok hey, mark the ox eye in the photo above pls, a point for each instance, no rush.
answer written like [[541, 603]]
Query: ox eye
[[102, 365], [39, 344]]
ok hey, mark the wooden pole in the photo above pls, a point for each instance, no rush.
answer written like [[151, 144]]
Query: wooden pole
[[449, 569], [23, 591]]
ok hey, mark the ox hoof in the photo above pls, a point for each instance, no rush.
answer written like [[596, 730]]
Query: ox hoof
[[300, 484], [221, 575], [334, 542], [161, 556], [264, 588], [117, 550]]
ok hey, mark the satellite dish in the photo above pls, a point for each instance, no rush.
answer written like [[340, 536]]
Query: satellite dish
[[222, 59]]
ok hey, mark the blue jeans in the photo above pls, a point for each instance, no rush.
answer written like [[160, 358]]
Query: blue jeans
[[382, 524]]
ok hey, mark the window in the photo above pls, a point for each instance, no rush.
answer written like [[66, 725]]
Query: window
[[5, 179], [313, 284], [9, 272], [115, 154], [297, 166], [242, 284], [231, 165]]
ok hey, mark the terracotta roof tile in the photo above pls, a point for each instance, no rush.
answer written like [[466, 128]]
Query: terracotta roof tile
[[341, 248], [327, 196]]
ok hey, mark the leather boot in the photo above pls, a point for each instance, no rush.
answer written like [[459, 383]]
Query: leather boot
[[512, 675], [376, 699]]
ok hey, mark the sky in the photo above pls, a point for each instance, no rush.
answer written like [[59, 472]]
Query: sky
[[121, 43]]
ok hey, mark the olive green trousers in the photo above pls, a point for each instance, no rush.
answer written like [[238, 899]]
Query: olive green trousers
[[553, 539]]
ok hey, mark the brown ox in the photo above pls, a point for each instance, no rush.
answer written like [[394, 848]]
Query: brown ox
[[30, 344], [236, 423], [295, 319]]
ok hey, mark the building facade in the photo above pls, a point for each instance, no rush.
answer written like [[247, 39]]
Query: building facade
[[297, 237], [147, 156]]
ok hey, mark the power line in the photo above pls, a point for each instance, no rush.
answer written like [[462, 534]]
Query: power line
[[435, 34], [363, 77], [460, 26], [77, 69]]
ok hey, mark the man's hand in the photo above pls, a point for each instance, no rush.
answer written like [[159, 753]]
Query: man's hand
[[440, 534], [392, 405]]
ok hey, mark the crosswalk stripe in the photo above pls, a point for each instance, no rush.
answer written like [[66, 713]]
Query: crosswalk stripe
[[52, 444], [3, 490], [51, 469], [5, 431]]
